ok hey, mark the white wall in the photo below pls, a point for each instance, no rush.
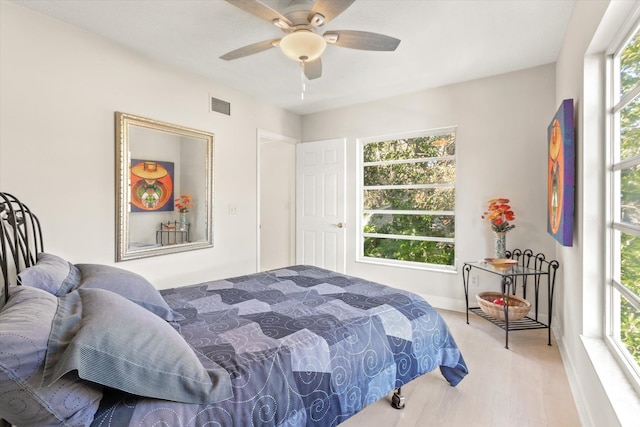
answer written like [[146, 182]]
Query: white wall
[[501, 152], [59, 89], [580, 74]]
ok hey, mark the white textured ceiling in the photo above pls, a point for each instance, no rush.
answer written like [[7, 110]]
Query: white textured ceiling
[[443, 42]]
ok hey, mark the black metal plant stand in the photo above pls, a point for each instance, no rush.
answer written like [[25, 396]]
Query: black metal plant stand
[[530, 269], [170, 233]]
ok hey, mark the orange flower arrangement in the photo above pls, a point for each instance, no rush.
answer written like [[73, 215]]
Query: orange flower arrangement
[[183, 203], [499, 213]]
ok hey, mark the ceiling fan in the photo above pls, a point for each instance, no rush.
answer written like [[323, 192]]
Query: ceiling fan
[[300, 21]]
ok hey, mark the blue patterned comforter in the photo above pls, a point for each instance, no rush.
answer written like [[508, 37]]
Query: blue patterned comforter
[[303, 347]]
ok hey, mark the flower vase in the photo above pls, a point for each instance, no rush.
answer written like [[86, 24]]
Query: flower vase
[[182, 226], [500, 244]]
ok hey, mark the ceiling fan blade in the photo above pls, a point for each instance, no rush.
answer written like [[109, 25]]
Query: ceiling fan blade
[[259, 9], [250, 49], [330, 9], [362, 40], [312, 69]]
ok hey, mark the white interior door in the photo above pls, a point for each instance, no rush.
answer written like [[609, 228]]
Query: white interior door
[[320, 204]]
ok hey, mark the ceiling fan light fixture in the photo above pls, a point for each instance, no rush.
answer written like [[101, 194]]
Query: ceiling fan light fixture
[[303, 45]]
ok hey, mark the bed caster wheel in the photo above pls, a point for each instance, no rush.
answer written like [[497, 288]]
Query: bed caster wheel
[[397, 400]]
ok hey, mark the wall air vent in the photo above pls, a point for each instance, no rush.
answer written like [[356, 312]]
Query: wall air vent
[[220, 106]]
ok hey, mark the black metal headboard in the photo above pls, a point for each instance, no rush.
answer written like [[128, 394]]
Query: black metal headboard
[[20, 240]]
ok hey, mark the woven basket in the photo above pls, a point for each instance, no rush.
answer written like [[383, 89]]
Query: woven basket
[[518, 307]]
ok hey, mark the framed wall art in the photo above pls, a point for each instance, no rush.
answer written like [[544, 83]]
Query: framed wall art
[[561, 174], [151, 185]]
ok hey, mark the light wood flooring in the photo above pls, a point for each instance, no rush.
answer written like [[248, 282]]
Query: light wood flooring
[[524, 386]]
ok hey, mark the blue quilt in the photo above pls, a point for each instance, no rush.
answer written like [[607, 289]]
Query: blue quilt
[[303, 346]]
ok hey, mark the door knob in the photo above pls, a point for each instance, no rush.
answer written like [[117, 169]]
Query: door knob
[[340, 225]]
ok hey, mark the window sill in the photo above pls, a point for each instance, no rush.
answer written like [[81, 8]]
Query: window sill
[[622, 395], [407, 264]]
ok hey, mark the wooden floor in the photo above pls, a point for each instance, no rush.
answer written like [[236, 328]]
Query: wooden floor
[[525, 386]]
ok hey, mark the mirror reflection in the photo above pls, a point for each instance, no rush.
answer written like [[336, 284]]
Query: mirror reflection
[[164, 187]]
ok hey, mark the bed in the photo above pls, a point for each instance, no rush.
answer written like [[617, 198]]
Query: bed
[[96, 345]]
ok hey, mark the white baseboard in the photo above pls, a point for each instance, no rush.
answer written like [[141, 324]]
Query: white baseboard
[[621, 398], [445, 303], [574, 384]]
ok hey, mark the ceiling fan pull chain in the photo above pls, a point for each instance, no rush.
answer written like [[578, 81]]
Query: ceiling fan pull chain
[[304, 86]]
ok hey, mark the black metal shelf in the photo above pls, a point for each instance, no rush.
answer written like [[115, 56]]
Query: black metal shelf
[[170, 233], [514, 325], [530, 269]]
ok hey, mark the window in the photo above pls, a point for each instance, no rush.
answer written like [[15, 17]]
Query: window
[[623, 306], [407, 199]]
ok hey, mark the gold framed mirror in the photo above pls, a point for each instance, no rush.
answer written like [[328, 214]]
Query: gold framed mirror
[[164, 188]]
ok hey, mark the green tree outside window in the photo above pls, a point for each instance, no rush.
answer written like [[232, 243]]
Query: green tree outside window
[[408, 195]]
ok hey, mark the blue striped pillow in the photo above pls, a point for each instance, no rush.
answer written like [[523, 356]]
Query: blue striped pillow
[[114, 342]]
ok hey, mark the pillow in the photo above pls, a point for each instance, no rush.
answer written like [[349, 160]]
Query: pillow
[[52, 274], [59, 277], [130, 285], [25, 325], [112, 341]]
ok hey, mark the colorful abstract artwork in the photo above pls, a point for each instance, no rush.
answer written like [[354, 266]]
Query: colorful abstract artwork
[[561, 174], [151, 185]]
